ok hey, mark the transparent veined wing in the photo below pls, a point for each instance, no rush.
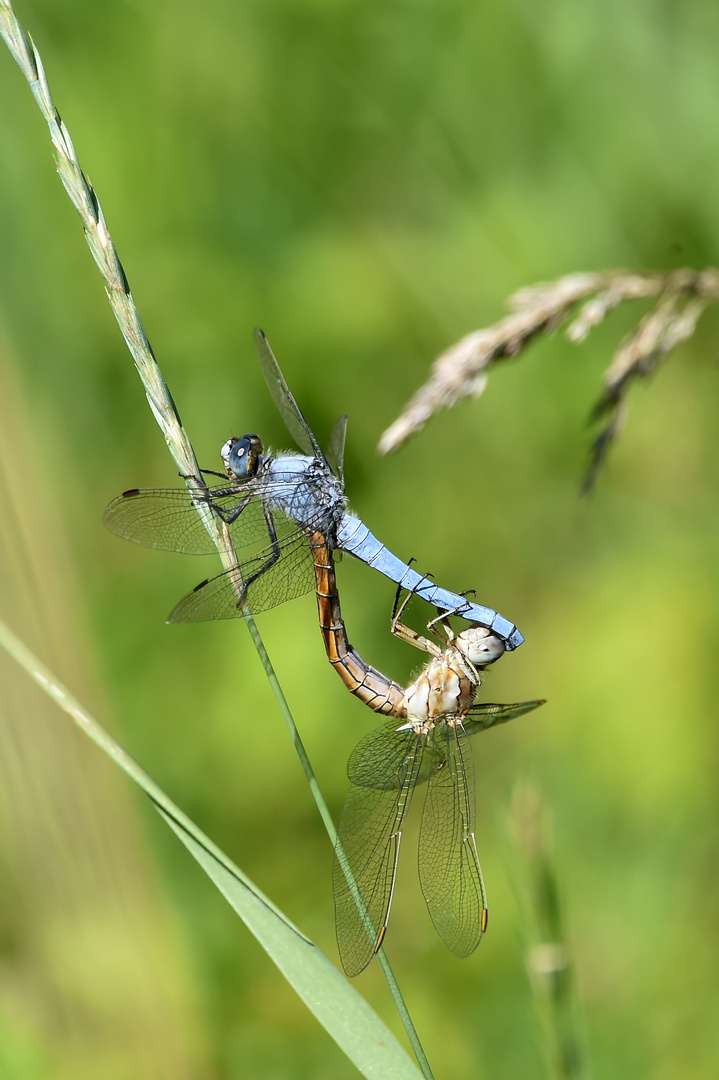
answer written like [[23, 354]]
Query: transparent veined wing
[[336, 448], [487, 714], [449, 872], [383, 769], [478, 718], [275, 574], [449, 869], [281, 394], [167, 518]]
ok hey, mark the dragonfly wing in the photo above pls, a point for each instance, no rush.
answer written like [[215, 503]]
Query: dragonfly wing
[[377, 760], [368, 839], [163, 518], [281, 394], [486, 714], [167, 518], [269, 578], [449, 870], [336, 448]]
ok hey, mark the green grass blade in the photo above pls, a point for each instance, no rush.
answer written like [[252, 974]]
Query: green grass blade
[[356, 1029]]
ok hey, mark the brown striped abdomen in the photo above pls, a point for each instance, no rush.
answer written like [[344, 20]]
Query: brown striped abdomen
[[361, 679]]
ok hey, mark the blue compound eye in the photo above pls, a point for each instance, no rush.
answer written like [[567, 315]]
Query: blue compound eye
[[242, 457]]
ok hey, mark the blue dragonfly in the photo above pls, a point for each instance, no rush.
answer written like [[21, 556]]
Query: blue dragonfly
[[285, 502]]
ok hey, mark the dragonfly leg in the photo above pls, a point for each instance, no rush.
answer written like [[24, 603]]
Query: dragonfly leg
[[397, 608], [406, 633], [215, 493], [213, 472], [229, 516], [274, 554], [442, 616]]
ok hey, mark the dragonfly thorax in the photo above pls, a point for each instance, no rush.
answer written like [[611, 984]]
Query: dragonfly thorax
[[242, 457], [445, 689]]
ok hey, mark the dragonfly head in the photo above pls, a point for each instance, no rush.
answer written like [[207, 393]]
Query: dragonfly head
[[479, 645], [242, 457]]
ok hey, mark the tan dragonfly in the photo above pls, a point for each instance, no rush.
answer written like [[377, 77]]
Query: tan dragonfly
[[430, 745]]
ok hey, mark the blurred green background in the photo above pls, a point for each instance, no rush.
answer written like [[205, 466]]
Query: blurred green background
[[368, 182]]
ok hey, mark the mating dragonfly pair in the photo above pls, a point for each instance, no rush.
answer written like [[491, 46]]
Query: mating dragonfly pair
[[296, 505]]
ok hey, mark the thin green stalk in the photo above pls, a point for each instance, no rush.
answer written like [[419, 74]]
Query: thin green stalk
[[292, 728], [404, 1016]]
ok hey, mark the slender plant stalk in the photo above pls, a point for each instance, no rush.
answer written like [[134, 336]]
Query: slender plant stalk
[[394, 989], [548, 955], [85, 201]]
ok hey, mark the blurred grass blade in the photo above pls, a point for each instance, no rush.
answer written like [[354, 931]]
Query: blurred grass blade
[[347, 1017], [548, 955], [356, 1029]]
